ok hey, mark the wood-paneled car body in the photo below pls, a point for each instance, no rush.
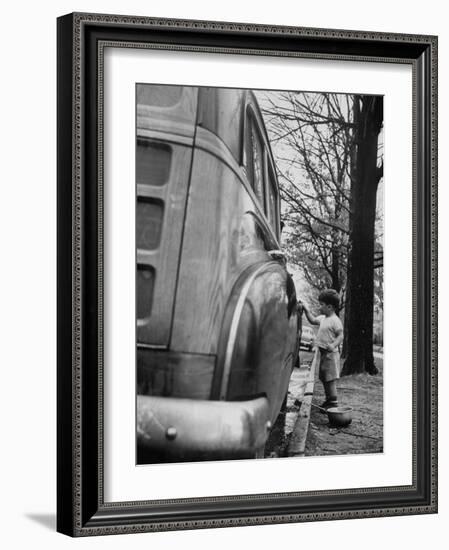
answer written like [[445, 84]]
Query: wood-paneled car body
[[216, 315]]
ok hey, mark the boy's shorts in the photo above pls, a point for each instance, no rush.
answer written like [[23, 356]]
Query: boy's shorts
[[329, 365]]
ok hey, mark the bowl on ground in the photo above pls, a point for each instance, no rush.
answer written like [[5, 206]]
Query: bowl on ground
[[339, 416]]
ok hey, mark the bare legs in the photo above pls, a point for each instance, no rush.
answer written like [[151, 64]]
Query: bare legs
[[330, 389]]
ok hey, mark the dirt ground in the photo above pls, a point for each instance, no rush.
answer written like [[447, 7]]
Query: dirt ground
[[364, 393]]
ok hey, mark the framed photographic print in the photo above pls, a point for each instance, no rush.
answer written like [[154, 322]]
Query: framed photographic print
[[246, 274]]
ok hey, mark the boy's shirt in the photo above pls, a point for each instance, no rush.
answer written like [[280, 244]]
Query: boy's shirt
[[329, 328]]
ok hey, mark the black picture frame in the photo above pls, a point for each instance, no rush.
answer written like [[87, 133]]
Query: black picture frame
[[81, 510]]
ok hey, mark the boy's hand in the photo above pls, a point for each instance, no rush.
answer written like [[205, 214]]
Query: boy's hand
[[330, 347]]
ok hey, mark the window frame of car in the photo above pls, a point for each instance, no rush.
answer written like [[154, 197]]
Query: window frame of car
[[253, 121]]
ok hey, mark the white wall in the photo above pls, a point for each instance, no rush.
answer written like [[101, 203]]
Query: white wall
[[27, 303]]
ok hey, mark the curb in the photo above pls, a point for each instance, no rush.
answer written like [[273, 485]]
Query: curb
[[297, 444]]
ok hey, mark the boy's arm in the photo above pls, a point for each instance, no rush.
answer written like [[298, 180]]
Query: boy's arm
[[338, 340], [312, 320]]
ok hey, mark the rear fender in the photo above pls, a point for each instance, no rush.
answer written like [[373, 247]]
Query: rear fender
[[258, 340]]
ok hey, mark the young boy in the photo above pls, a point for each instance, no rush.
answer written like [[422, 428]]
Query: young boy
[[329, 337]]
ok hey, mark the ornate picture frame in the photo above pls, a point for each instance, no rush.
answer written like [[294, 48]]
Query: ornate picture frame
[[81, 508]]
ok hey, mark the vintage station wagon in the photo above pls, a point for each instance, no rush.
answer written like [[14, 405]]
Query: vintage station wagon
[[216, 308]]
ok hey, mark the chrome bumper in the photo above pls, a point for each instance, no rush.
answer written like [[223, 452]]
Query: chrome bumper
[[186, 428]]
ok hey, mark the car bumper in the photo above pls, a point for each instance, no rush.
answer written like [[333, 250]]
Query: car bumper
[[184, 429]]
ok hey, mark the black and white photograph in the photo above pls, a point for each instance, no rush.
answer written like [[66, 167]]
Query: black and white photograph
[[259, 273], [220, 305]]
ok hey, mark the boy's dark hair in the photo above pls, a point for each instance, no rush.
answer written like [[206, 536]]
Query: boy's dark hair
[[330, 297]]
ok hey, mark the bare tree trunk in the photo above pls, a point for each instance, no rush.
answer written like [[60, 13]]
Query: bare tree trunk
[[335, 269], [358, 347]]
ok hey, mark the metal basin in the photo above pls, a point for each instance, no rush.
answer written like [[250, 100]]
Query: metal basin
[[339, 416]]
